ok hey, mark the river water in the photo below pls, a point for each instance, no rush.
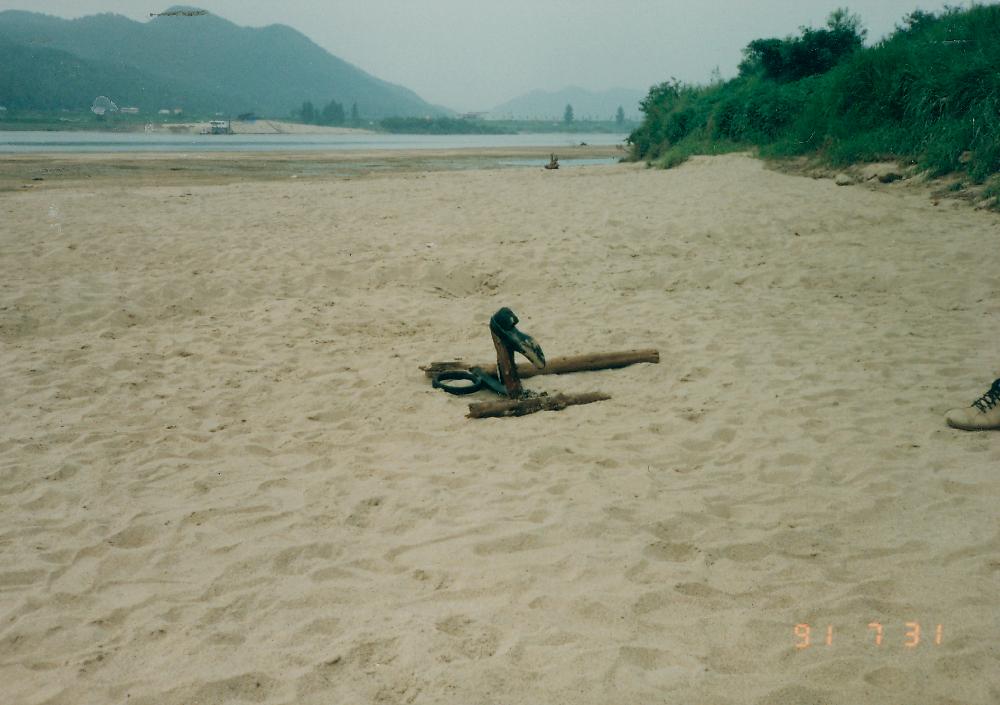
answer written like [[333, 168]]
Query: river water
[[28, 142]]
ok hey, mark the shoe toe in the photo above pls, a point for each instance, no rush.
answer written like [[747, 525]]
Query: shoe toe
[[959, 418], [972, 419]]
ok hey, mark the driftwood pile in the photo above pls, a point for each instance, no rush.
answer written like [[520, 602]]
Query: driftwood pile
[[519, 402]]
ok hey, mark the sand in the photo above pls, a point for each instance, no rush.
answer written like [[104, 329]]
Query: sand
[[223, 478]]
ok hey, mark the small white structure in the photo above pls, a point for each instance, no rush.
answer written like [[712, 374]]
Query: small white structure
[[103, 105], [129, 111], [219, 127]]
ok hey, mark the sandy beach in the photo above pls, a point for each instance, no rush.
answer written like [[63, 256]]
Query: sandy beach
[[224, 479]]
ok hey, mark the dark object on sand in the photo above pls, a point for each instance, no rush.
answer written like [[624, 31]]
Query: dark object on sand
[[507, 340], [553, 162], [504, 378], [478, 378]]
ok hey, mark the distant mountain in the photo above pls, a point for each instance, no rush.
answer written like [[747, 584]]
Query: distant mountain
[[200, 63], [596, 105], [38, 78]]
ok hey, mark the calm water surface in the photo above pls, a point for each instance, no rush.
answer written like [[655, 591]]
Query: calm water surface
[[28, 142]]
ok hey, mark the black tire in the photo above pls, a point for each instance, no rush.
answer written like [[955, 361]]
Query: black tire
[[457, 389]]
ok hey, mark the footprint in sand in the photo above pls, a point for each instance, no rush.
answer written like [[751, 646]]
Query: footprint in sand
[[745, 552], [361, 515], [472, 640], [795, 695], [133, 537], [675, 552], [508, 544]]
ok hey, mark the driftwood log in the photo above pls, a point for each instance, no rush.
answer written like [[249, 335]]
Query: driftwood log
[[557, 365], [522, 407], [508, 368]]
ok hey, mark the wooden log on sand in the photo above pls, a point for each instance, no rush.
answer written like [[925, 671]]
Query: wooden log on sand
[[508, 369], [558, 365], [522, 407]]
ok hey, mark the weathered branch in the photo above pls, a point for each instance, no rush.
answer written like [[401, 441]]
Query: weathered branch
[[558, 365], [521, 407], [508, 369]]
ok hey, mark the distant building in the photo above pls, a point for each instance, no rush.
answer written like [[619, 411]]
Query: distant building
[[129, 111], [177, 111], [473, 116], [164, 111]]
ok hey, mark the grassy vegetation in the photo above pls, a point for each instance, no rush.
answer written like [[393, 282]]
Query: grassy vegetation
[[928, 94]]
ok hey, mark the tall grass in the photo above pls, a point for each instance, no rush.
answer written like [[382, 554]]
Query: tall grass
[[929, 94]]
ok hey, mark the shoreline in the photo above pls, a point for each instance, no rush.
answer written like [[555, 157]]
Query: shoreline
[[197, 127], [58, 168], [20, 171], [263, 127]]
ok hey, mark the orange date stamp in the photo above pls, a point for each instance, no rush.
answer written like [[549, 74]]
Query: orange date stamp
[[910, 636]]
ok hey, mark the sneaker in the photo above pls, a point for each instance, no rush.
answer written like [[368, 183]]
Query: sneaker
[[983, 415]]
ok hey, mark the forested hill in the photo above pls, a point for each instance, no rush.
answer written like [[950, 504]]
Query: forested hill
[[198, 62]]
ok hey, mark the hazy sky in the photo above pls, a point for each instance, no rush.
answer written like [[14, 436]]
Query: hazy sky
[[473, 55]]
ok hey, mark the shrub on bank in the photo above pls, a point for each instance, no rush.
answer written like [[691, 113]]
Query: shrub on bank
[[929, 93]]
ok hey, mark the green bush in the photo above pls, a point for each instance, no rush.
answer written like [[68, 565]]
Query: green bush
[[816, 51], [929, 94]]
